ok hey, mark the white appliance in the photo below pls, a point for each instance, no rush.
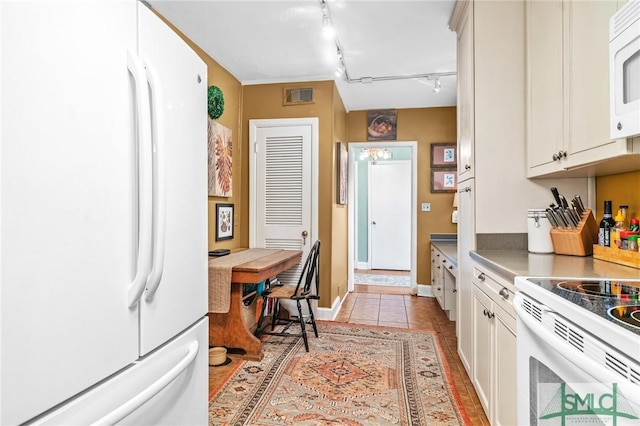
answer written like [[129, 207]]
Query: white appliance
[[624, 71], [578, 351], [103, 217]]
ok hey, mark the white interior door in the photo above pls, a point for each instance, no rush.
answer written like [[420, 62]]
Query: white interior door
[[390, 215], [283, 186]]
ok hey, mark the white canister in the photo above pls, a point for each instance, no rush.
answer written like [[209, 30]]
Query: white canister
[[539, 236]]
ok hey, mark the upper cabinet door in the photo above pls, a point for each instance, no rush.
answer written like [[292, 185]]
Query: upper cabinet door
[[466, 99], [544, 102], [568, 88], [586, 68]]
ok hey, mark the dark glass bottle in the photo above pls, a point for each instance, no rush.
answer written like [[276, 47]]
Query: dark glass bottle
[[607, 222]]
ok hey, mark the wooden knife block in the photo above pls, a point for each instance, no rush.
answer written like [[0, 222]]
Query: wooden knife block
[[579, 241]]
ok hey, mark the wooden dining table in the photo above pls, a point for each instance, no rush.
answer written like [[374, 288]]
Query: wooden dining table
[[233, 329]]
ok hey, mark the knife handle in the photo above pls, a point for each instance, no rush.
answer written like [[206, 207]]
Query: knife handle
[[556, 195]]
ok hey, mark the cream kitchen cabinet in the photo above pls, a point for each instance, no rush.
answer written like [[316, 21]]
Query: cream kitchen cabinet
[[465, 104], [494, 348], [443, 282], [464, 286], [567, 97]]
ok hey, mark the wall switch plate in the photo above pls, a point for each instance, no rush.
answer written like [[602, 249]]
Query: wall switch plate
[[454, 216], [426, 207]]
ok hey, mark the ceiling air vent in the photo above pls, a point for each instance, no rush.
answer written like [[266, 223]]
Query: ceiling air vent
[[297, 96]]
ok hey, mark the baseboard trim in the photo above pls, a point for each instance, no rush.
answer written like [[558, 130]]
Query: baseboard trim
[[425, 290], [332, 312]]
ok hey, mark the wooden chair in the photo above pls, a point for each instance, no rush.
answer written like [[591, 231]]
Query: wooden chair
[[306, 289]]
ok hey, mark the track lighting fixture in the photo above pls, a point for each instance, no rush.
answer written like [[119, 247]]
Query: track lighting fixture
[[342, 72]]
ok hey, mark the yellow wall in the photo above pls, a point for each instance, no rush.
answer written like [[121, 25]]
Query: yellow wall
[[232, 92], [339, 223], [622, 189], [265, 101], [426, 126]]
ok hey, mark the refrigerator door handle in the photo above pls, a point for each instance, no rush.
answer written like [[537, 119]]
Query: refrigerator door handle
[[145, 176], [140, 399], [159, 181]]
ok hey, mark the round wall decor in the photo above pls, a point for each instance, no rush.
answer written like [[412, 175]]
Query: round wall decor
[[215, 102]]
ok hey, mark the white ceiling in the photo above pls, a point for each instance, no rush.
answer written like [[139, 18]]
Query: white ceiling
[[268, 41]]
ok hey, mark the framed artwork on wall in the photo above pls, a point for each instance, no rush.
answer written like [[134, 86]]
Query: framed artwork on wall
[[382, 125], [224, 221], [444, 155], [220, 149], [444, 180], [342, 167]]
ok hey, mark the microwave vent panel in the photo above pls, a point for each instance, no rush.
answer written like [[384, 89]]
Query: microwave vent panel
[[623, 18]]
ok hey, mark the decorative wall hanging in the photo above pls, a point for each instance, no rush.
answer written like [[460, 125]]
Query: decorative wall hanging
[[381, 125], [224, 222], [215, 102], [444, 155], [220, 147], [444, 180], [342, 166]]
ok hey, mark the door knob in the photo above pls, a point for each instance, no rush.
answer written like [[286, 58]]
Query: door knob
[[305, 234]]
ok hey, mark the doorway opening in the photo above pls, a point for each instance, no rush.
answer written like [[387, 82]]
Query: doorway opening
[[362, 264]]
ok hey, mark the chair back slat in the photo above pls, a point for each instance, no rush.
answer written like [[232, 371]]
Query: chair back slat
[[310, 273]]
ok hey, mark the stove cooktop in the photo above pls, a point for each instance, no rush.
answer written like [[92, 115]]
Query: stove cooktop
[[616, 301]]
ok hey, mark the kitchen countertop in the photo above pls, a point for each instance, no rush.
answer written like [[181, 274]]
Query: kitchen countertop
[[512, 263], [448, 245]]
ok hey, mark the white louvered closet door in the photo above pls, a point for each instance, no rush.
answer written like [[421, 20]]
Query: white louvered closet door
[[283, 191]]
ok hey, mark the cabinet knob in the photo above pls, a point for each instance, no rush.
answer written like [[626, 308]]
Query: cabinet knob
[[490, 314], [481, 277], [467, 166], [455, 290], [467, 189], [485, 312], [450, 266], [504, 293], [438, 288]]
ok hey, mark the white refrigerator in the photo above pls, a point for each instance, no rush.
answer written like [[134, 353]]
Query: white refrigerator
[[103, 217]]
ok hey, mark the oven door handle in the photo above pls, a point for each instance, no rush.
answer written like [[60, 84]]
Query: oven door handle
[[576, 357]]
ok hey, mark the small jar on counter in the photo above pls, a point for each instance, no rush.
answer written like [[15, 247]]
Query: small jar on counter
[[624, 239], [632, 243]]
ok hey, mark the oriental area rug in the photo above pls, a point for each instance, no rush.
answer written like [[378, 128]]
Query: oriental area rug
[[352, 375]]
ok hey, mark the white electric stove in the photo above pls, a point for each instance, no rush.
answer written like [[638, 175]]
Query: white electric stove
[[578, 351]]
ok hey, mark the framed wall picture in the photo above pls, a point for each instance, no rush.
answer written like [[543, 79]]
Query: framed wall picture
[[342, 167], [224, 221], [382, 125], [220, 150], [444, 180], [444, 155]]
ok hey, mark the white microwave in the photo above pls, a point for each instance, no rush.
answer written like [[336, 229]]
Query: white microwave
[[624, 71]]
